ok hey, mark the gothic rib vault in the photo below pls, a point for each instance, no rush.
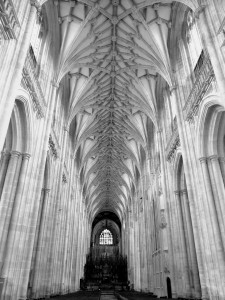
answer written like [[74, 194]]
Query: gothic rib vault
[[112, 141], [112, 53]]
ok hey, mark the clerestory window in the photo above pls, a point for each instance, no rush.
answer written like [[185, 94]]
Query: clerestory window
[[194, 42], [106, 238]]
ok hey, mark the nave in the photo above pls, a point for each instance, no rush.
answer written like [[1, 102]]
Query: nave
[[112, 148]]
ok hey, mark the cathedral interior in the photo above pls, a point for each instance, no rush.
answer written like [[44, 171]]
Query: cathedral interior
[[112, 140]]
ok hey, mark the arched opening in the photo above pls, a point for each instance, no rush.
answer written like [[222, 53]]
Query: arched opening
[[105, 267], [186, 255], [40, 248], [13, 169], [106, 237], [169, 289]]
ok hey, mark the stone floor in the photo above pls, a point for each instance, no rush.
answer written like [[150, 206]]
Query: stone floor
[[108, 295], [105, 296], [80, 296], [139, 296]]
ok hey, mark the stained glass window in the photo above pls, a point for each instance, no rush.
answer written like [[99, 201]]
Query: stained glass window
[[106, 238]]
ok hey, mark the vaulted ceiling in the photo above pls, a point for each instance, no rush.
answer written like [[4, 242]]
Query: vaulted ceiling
[[112, 54]]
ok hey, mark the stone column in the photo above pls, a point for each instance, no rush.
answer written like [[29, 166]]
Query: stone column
[[63, 239], [137, 251], [78, 246], [186, 241], [11, 260], [191, 245], [195, 195], [148, 242], [40, 253], [32, 271], [68, 242], [131, 243], [7, 199], [73, 232], [76, 232], [222, 167], [81, 241], [213, 260], [182, 251], [3, 169], [50, 237], [218, 192], [30, 215], [174, 250], [9, 91], [142, 244]]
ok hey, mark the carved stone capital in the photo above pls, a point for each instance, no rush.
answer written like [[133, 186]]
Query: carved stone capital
[[163, 222], [183, 192], [172, 89], [26, 156], [213, 157], [75, 75], [15, 153], [166, 270], [66, 128], [64, 178], [52, 147], [221, 159], [36, 4], [203, 160], [55, 83], [199, 10], [46, 190], [5, 154], [159, 131]]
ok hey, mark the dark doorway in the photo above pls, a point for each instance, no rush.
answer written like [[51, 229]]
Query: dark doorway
[[169, 290]]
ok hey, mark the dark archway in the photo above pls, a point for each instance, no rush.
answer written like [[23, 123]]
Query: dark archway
[[105, 267], [169, 289], [106, 215]]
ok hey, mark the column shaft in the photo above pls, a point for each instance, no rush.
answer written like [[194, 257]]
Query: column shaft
[[214, 242], [7, 199], [191, 245]]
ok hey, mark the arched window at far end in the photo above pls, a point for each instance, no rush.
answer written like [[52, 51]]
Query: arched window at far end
[[106, 238]]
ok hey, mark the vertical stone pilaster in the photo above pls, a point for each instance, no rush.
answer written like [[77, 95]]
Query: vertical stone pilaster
[[41, 246], [218, 193], [7, 199], [182, 251], [32, 207], [13, 247], [195, 195], [222, 167], [191, 245], [214, 243], [3, 169]]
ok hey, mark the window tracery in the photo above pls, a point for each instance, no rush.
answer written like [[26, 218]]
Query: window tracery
[[106, 238], [193, 39]]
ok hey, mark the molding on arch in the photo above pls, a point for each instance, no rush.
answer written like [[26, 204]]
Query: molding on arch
[[176, 165], [23, 97], [207, 104]]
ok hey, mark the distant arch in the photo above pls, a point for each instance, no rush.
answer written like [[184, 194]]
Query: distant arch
[[19, 134], [169, 288], [210, 127], [106, 237]]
